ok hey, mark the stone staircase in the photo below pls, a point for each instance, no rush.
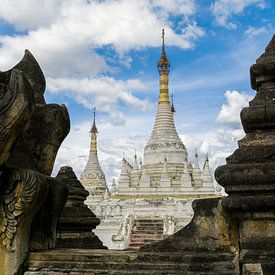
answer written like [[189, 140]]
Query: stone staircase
[[145, 231]]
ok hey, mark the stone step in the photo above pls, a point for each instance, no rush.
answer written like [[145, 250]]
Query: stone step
[[65, 266], [149, 220], [150, 234], [137, 245], [146, 237], [126, 272], [147, 229], [143, 242], [84, 255], [197, 256], [147, 240], [148, 224], [88, 262]]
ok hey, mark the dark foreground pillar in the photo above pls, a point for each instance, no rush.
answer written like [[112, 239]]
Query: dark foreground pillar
[[249, 175]]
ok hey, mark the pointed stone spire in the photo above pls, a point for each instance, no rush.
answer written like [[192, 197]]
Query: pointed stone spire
[[135, 164], [164, 139], [135, 173], [93, 177], [163, 67], [93, 132], [124, 179], [113, 188], [173, 110], [196, 173], [207, 180], [186, 180]]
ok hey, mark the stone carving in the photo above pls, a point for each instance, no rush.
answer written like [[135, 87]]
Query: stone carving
[[17, 198], [168, 225], [124, 231], [76, 221], [31, 132], [249, 175]]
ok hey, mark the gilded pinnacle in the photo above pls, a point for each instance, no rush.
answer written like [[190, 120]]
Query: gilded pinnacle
[[94, 129], [163, 63], [163, 67]]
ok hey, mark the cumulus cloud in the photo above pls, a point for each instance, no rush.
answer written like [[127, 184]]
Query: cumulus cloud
[[103, 92], [30, 14], [67, 38], [230, 112], [218, 144], [223, 10], [221, 142], [252, 32], [73, 28]]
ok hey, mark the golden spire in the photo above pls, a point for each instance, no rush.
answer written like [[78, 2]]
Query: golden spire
[[93, 131], [163, 63], [163, 67]]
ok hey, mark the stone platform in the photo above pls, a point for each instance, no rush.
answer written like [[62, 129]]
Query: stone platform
[[204, 246], [91, 261]]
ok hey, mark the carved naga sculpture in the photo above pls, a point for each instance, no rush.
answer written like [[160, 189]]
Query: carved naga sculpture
[[31, 132]]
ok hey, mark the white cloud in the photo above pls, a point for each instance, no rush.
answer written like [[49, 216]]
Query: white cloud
[[66, 36], [65, 44], [30, 14], [230, 112], [103, 92], [218, 144], [223, 10], [252, 32]]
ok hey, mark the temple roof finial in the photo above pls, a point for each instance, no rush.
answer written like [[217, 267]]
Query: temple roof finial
[[163, 63], [94, 129], [163, 38]]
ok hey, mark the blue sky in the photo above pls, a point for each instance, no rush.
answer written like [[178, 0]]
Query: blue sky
[[104, 54]]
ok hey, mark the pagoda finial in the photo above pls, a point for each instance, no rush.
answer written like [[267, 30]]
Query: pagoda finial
[[163, 64], [163, 38], [163, 68], [94, 129]]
